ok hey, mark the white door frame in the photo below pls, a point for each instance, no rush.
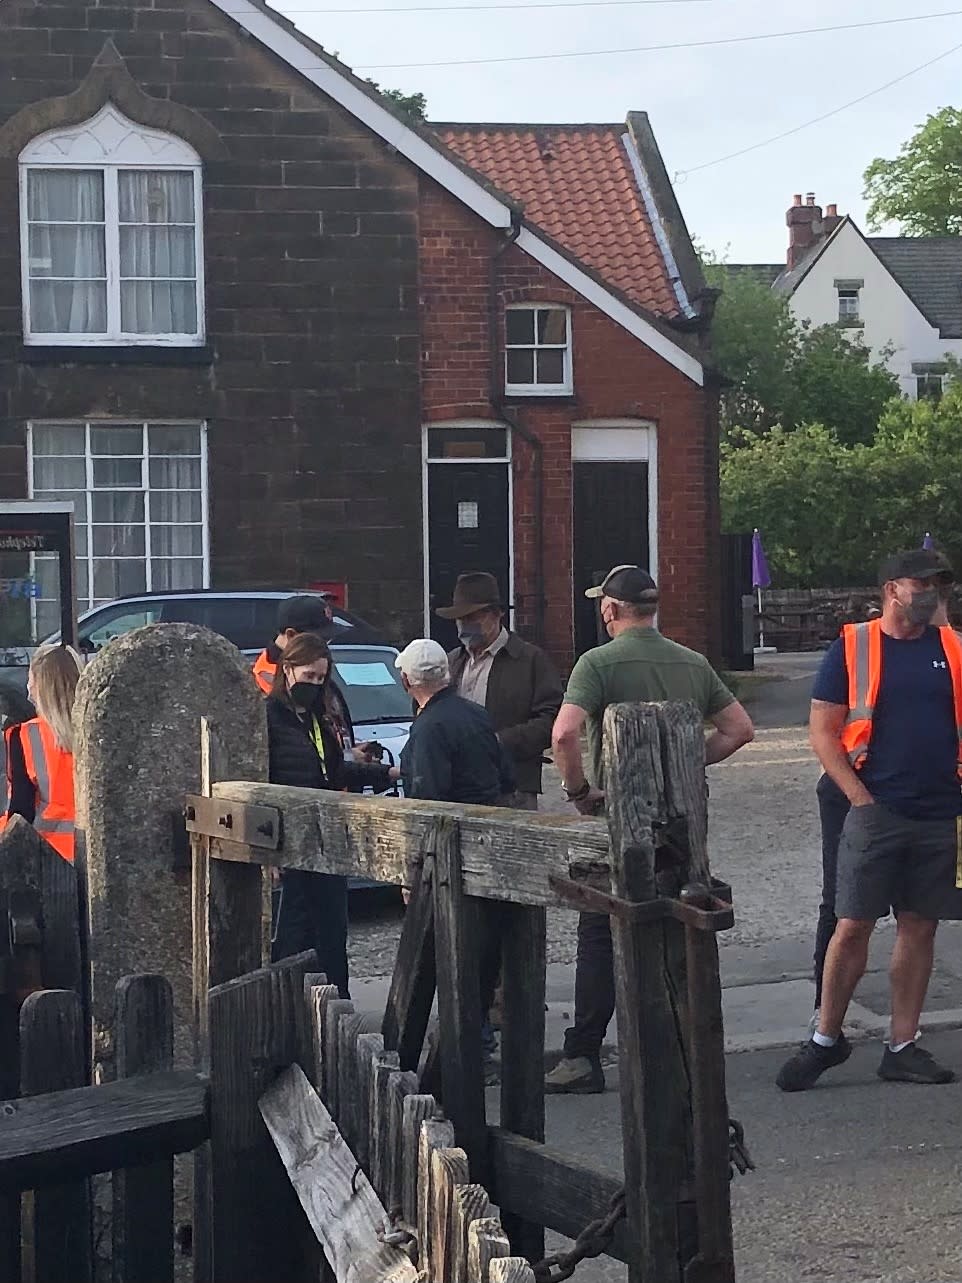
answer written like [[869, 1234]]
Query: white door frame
[[622, 441], [502, 461]]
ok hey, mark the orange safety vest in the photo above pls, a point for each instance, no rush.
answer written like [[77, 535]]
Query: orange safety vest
[[264, 671], [4, 777], [50, 770], [863, 661]]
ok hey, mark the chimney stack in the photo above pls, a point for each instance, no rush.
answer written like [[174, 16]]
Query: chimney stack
[[831, 220], [805, 227]]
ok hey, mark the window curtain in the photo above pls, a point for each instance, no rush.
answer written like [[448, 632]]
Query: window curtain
[[158, 270], [68, 289]]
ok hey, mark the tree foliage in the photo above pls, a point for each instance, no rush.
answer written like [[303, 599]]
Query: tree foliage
[[835, 382], [921, 189], [784, 372], [413, 105], [831, 511], [754, 336]]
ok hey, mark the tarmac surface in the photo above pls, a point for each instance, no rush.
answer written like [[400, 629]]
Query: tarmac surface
[[857, 1181]]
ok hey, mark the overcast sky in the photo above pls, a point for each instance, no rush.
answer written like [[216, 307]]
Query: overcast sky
[[703, 103]]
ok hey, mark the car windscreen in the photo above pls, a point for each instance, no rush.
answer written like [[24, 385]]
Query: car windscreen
[[371, 684]]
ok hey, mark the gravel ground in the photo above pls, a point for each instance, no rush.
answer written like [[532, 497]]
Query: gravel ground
[[764, 840]]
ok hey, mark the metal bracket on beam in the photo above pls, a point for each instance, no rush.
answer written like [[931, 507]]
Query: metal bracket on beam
[[213, 817], [698, 907]]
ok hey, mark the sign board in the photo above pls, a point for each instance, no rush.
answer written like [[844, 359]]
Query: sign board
[[336, 588], [29, 528]]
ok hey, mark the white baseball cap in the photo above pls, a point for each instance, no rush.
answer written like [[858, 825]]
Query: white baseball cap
[[423, 661]]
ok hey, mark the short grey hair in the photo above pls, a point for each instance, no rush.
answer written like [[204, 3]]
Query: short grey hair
[[636, 609]]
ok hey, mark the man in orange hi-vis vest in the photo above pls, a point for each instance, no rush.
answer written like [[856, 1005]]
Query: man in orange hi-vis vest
[[886, 724]]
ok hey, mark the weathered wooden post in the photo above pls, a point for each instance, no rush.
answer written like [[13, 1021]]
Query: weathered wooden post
[[40, 935], [671, 1058], [143, 1202], [58, 1228]]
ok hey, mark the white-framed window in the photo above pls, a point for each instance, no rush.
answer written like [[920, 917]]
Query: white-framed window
[[929, 385], [140, 507], [848, 312], [537, 350], [111, 236]]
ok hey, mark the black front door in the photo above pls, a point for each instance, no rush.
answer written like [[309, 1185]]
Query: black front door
[[467, 530], [610, 529]]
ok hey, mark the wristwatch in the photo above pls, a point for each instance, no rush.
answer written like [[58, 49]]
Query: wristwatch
[[577, 794]]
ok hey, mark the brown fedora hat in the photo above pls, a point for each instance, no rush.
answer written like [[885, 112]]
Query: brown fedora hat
[[476, 591]]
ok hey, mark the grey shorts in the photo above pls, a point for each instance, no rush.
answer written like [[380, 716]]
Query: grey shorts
[[887, 861]]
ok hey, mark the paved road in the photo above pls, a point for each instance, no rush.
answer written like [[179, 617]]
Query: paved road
[[857, 1181]]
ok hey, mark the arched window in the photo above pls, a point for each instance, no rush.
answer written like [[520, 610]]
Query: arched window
[[111, 236]]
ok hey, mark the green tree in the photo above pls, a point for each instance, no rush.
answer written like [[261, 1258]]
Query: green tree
[[413, 105], [835, 382], [781, 371], [831, 511], [754, 336], [921, 189]]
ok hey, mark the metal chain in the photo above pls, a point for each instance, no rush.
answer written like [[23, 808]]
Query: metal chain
[[596, 1237], [591, 1242], [739, 1158]]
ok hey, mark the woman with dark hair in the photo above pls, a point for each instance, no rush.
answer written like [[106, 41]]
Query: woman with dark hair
[[310, 909]]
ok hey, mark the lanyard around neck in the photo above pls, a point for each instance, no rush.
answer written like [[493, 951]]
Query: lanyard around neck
[[317, 735]]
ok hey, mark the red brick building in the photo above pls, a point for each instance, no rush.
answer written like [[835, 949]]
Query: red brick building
[[265, 332]]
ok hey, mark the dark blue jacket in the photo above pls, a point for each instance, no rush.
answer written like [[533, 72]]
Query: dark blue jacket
[[453, 754]]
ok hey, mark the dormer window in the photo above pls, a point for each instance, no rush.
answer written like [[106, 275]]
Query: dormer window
[[537, 355], [111, 242]]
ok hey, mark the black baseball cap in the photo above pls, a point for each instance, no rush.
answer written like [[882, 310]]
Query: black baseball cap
[[627, 583], [917, 563], [304, 614]]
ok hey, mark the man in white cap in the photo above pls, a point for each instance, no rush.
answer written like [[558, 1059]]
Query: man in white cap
[[453, 753]]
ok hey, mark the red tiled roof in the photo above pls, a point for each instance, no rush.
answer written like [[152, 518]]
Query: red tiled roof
[[576, 183]]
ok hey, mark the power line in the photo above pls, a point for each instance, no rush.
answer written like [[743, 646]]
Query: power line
[[817, 120], [479, 8], [683, 44]]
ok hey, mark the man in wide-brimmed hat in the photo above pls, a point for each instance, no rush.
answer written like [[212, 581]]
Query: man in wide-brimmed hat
[[516, 682], [521, 689]]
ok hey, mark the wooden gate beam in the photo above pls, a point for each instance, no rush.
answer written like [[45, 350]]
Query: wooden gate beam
[[505, 855]]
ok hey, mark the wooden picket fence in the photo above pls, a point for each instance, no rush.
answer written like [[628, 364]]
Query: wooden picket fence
[[374, 1163], [59, 1132]]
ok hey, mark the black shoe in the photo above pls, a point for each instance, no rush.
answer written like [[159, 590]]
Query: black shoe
[[913, 1065], [804, 1069]]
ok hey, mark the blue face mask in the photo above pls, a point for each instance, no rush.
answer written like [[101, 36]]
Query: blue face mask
[[471, 634]]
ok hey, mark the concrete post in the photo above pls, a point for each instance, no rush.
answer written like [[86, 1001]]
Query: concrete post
[[137, 718]]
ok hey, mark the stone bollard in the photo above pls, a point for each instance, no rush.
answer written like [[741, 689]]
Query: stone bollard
[[137, 719]]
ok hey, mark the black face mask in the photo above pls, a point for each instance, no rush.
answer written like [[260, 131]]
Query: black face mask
[[307, 696]]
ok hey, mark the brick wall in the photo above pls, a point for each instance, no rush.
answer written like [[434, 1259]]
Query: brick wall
[[311, 389], [615, 376]]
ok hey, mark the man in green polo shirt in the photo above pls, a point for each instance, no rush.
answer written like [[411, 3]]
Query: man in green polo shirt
[[637, 665]]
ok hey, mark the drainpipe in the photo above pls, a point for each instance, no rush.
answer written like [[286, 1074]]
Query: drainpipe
[[496, 398]]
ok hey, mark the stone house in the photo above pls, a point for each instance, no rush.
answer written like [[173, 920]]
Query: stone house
[[265, 332]]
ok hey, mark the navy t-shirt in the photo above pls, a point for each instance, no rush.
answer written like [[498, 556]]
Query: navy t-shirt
[[913, 754]]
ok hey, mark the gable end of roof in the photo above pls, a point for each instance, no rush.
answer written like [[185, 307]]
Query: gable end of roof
[[428, 154]]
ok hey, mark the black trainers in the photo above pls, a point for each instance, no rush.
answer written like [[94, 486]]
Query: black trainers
[[804, 1069], [913, 1065]]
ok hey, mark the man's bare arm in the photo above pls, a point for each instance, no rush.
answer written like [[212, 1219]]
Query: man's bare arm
[[733, 728], [566, 744], [825, 735]]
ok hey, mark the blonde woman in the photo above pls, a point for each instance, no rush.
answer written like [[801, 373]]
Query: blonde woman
[[40, 751]]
